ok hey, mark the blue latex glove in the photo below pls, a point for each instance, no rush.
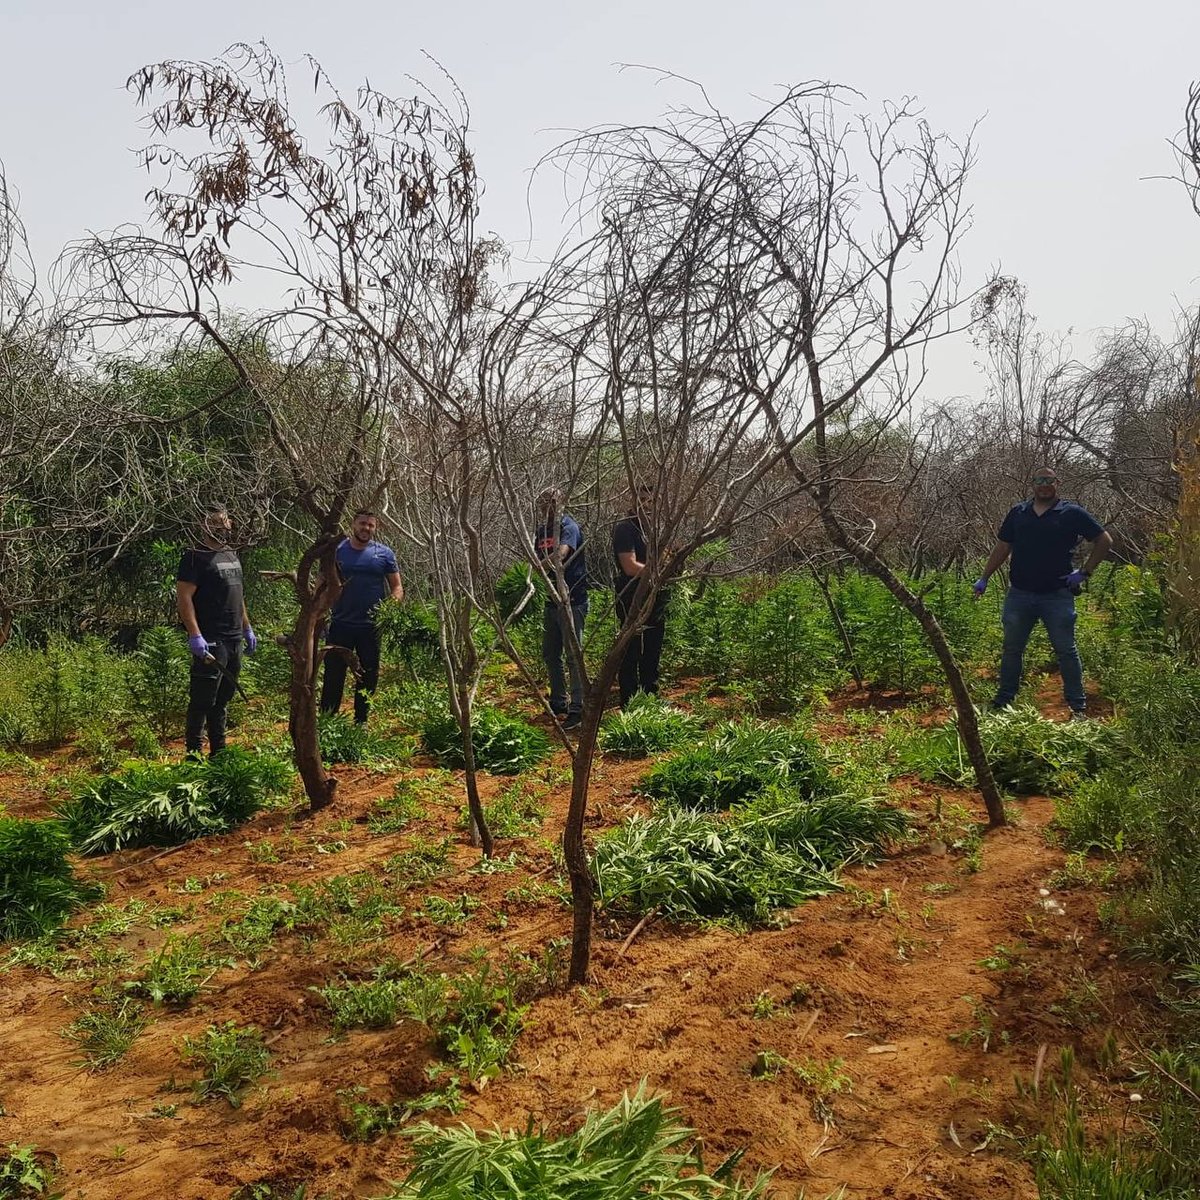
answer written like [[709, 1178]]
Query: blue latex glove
[[251, 640], [1076, 580], [979, 587], [198, 646]]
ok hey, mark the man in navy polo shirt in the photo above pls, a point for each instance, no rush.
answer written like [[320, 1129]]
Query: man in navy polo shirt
[[369, 576], [559, 537], [1041, 535]]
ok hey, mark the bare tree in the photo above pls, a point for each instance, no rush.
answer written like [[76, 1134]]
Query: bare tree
[[814, 267], [373, 237]]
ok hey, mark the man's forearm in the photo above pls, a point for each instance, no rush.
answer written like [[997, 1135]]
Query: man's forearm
[[1100, 548], [996, 559], [187, 614]]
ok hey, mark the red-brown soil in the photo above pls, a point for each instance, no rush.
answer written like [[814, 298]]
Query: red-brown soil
[[877, 981]]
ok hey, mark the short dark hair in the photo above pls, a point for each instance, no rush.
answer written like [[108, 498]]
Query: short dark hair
[[365, 512]]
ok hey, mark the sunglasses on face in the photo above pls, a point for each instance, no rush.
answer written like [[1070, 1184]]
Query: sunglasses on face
[[1044, 479]]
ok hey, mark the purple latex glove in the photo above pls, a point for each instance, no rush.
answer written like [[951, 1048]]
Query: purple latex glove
[[198, 645], [979, 587], [1076, 580], [251, 640]]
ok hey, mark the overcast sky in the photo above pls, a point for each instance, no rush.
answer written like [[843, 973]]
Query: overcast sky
[[1078, 100]]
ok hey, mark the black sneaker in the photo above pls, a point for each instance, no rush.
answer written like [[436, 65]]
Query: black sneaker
[[573, 720]]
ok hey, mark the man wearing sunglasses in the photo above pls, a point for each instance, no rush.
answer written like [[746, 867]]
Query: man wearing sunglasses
[[1041, 535]]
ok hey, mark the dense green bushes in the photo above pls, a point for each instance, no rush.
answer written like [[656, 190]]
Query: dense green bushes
[[38, 888], [1029, 754], [773, 852], [646, 726], [157, 804], [502, 743], [736, 762]]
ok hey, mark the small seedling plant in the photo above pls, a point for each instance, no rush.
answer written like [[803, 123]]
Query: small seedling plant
[[106, 1031], [26, 1171], [232, 1058]]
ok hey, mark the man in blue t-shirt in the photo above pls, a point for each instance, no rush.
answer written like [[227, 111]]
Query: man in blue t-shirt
[[1041, 535], [370, 575], [559, 540]]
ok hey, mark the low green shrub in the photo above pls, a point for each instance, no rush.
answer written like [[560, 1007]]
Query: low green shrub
[[158, 680], [1029, 754], [342, 739], [636, 1149], [503, 744], [166, 804], [231, 1058], [646, 726], [38, 888], [346, 741], [775, 852], [736, 762]]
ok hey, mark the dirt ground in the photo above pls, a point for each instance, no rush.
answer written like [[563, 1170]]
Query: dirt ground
[[886, 977]]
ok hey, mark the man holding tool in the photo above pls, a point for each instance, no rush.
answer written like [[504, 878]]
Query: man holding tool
[[1041, 535], [208, 597]]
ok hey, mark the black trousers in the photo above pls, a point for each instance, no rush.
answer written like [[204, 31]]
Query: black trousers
[[209, 691], [639, 667], [364, 641]]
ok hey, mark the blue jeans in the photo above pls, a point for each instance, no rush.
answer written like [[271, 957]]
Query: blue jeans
[[554, 645], [1055, 610]]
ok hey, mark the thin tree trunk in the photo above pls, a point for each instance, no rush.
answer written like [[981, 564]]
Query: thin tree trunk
[[319, 785], [6, 624], [968, 723], [840, 625], [481, 836]]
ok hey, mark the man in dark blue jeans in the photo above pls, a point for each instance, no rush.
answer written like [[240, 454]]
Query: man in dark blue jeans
[[1041, 535], [560, 540], [370, 575]]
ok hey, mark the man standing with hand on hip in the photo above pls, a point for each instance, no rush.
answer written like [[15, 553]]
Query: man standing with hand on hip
[[208, 597], [1041, 535], [370, 575]]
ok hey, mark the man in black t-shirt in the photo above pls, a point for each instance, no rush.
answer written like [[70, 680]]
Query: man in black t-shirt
[[639, 668], [208, 596], [1041, 535]]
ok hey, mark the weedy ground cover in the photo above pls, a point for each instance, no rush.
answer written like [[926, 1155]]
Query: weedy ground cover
[[38, 887], [477, 1016], [231, 1059], [774, 852], [166, 804], [106, 1030], [638, 1148], [736, 762], [503, 744], [174, 972], [344, 740]]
